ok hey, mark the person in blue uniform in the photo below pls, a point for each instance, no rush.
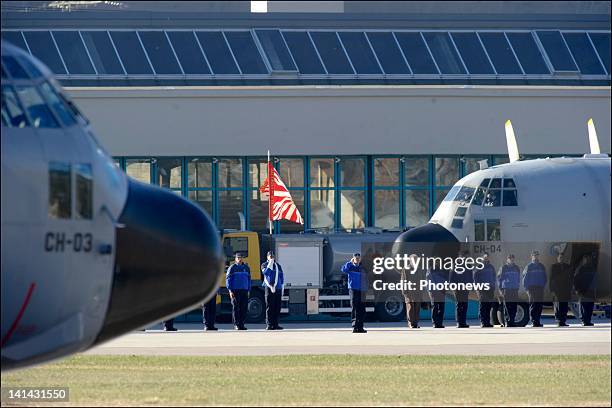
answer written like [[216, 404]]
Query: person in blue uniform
[[357, 284], [486, 297], [437, 297], [461, 296], [209, 314], [509, 282], [561, 276], [534, 280], [584, 284], [273, 283], [238, 282]]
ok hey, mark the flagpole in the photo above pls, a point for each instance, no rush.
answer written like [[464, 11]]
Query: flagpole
[[270, 194]]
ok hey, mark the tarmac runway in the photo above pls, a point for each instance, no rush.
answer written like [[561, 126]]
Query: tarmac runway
[[382, 338]]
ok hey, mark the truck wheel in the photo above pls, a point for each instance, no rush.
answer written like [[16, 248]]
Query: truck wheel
[[390, 308], [522, 314], [256, 309]]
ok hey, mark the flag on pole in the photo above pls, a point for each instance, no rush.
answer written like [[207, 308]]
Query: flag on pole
[[281, 205]]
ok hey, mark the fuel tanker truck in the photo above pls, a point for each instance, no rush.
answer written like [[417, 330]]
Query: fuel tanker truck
[[311, 261]]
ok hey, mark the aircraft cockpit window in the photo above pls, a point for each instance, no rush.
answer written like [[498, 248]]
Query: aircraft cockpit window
[[465, 195], [38, 110], [12, 112], [452, 193], [495, 183], [33, 72], [59, 190], [479, 196], [510, 199], [4, 74], [57, 104], [509, 183], [485, 183], [14, 68], [493, 198], [84, 191]]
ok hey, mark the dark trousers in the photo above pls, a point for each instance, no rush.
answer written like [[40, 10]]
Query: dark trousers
[[461, 296], [437, 306], [240, 304], [358, 309], [486, 300], [273, 307], [586, 310], [168, 324], [413, 309], [535, 303], [209, 313], [510, 297], [560, 309]]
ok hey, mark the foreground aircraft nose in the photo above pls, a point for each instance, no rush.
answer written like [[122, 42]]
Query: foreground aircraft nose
[[430, 239], [168, 259], [427, 233]]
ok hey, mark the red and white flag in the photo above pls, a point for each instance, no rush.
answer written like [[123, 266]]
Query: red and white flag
[[281, 205]]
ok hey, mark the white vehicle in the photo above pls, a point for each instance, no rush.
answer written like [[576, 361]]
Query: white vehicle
[[552, 205], [87, 254]]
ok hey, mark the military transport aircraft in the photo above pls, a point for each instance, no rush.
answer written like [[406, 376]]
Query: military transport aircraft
[[87, 253]]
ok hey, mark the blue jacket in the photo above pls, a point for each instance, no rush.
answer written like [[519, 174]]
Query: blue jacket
[[510, 277], [357, 279], [270, 275], [485, 275], [465, 277], [534, 275], [437, 276], [238, 277]]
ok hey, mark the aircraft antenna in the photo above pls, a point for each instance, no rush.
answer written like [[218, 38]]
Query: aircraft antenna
[[593, 140], [513, 152]]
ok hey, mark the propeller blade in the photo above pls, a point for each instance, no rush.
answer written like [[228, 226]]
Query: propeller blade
[[593, 140], [513, 152]]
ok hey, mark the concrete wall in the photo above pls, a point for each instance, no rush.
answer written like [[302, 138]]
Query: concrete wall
[[344, 120]]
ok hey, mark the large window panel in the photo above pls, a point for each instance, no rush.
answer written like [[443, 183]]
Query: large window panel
[[15, 38], [359, 52], [444, 53], [416, 53], [258, 211], [139, 169], [501, 54], [203, 198], [73, 51], [160, 53], [322, 209], [388, 53], [131, 52], [42, 46], [258, 171], [277, 52], [386, 172], [439, 196], [292, 172], [557, 51], [528, 53], [331, 52], [472, 53], [199, 173], [601, 41], [584, 54], [188, 52], [246, 52], [352, 209], [230, 206], [102, 52], [470, 164], [447, 171], [303, 52], [416, 205], [352, 172], [230, 173], [12, 112], [416, 171], [322, 172], [217, 52], [169, 173], [386, 208]]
